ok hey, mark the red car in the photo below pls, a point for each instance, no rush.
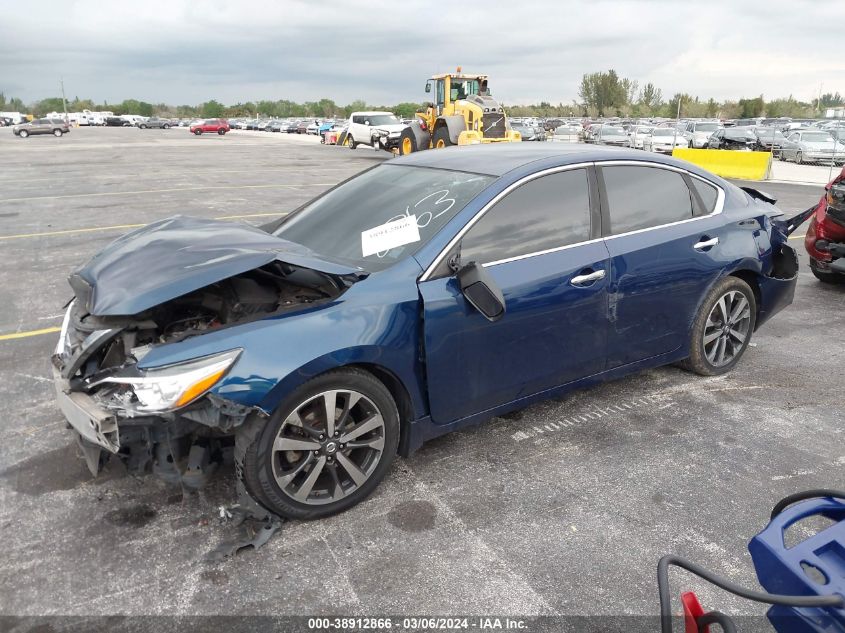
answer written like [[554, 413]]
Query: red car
[[825, 240], [211, 125]]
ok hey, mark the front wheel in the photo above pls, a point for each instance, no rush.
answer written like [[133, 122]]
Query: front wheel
[[441, 138], [722, 328], [799, 158], [221, 132], [57, 133], [351, 142], [197, 132], [324, 449], [407, 142], [166, 127], [23, 133]]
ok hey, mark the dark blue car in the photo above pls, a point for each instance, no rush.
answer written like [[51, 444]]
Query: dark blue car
[[426, 294]]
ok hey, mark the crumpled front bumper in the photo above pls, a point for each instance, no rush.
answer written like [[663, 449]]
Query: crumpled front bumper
[[93, 423]]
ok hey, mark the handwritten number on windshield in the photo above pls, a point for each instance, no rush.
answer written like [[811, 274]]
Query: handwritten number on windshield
[[442, 204]]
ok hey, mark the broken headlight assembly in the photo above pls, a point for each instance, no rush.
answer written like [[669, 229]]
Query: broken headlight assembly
[[164, 389]]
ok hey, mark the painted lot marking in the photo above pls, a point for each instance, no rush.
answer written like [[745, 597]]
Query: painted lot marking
[[594, 413], [101, 194], [114, 227], [17, 335]]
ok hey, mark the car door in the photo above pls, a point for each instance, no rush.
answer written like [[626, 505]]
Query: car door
[[540, 244], [790, 145], [662, 229]]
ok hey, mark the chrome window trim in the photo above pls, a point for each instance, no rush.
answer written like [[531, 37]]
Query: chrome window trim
[[719, 207], [551, 170]]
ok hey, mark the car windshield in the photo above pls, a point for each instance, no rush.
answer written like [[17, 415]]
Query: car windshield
[[706, 127], [340, 224], [769, 133], [612, 131], [564, 129], [663, 131], [816, 137], [383, 119]]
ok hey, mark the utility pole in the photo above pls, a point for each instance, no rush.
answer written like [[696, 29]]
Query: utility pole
[[819, 102], [677, 122], [64, 101]]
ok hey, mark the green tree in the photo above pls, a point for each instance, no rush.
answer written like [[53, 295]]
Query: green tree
[[211, 109], [51, 104], [605, 92], [749, 108], [406, 110], [650, 98], [355, 106], [829, 100]]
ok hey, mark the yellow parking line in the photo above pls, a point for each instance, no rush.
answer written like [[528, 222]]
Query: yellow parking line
[[46, 330], [145, 191], [115, 227]]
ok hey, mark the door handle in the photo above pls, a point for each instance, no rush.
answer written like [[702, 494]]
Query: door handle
[[700, 246], [582, 280]]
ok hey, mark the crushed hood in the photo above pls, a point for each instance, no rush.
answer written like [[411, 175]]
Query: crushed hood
[[172, 257]]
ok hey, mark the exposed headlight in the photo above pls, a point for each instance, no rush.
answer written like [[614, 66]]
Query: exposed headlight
[[174, 386]]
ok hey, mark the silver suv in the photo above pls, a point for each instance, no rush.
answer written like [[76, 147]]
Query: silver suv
[[56, 127]]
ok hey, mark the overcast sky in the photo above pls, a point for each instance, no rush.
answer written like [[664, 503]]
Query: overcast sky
[[183, 52]]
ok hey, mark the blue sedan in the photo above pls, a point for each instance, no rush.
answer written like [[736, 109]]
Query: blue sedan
[[426, 294]]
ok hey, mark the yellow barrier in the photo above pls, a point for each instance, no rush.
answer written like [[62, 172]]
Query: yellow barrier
[[729, 163]]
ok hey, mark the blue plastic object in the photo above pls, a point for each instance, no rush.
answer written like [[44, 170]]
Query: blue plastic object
[[814, 567]]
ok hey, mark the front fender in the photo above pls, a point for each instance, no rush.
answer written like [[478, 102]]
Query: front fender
[[455, 124]]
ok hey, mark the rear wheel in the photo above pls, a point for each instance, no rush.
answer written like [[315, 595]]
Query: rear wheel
[[826, 276], [351, 142], [799, 158], [722, 329], [441, 138], [325, 448], [221, 131], [142, 126], [23, 133], [166, 127], [57, 133], [197, 132], [407, 142]]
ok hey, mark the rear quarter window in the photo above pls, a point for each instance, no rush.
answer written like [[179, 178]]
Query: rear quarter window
[[708, 194], [644, 197]]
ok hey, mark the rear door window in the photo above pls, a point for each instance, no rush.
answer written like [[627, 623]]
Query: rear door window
[[644, 197], [708, 194], [543, 214]]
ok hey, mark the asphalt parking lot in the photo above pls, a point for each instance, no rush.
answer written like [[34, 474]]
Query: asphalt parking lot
[[563, 508]]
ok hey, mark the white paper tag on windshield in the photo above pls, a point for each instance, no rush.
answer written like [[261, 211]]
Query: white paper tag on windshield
[[390, 235]]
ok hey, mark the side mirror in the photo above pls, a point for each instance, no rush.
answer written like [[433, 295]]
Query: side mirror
[[428, 86], [481, 291]]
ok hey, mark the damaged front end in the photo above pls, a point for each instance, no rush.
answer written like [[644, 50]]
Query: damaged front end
[[167, 418]]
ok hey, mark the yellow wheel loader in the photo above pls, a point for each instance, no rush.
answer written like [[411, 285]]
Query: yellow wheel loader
[[463, 113]]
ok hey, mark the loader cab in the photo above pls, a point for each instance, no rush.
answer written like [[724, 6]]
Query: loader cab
[[447, 89]]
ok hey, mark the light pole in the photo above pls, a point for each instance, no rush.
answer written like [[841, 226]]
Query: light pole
[[64, 101]]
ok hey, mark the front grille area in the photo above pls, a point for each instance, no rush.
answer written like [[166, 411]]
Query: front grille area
[[493, 124]]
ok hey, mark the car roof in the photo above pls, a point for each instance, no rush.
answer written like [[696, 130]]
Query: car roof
[[498, 159]]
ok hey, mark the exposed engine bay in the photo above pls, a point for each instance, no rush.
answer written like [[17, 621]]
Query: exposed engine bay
[[98, 356]]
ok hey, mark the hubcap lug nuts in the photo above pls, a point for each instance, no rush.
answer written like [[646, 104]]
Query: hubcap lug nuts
[[316, 452], [322, 436]]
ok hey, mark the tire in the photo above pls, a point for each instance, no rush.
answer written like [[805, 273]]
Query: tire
[[57, 133], [832, 278], [165, 127], [263, 461], [350, 141], [221, 131], [142, 126], [732, 337], [407, 142], [799, 158], [441, 138], [23, 134], [198, 132]]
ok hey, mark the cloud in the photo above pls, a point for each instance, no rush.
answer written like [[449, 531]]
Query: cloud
[[186, 52]]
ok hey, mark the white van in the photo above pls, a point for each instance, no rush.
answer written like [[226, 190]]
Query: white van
[[380, 130]]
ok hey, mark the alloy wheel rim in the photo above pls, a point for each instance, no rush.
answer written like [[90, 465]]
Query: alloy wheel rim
[[727, 328], [328, 447]]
